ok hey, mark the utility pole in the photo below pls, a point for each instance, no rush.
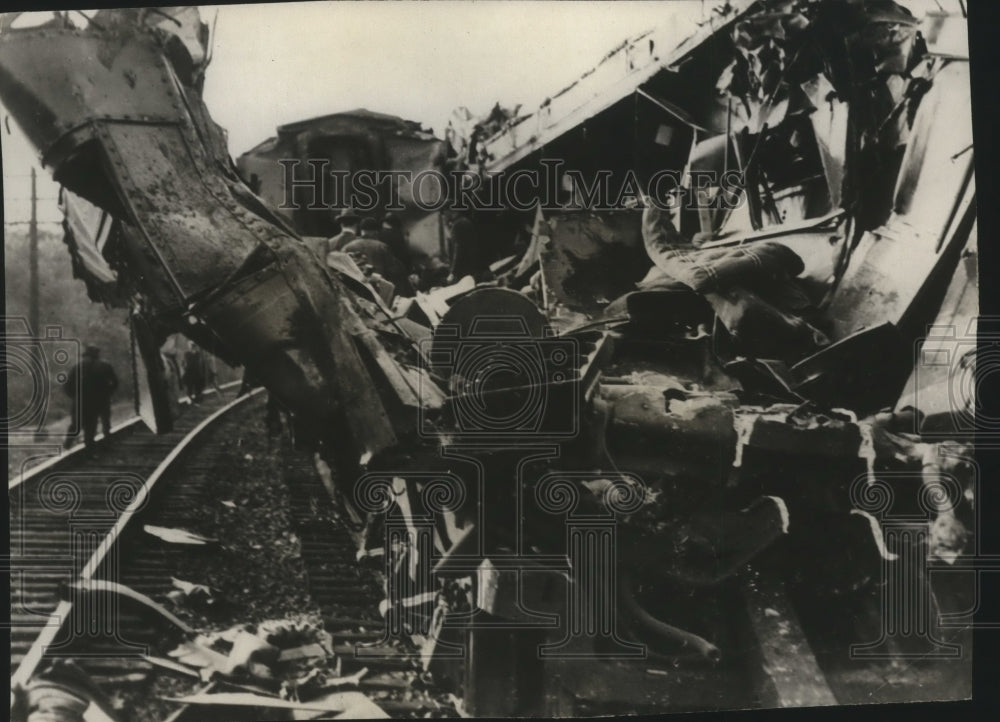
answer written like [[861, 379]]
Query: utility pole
[[33, 260]]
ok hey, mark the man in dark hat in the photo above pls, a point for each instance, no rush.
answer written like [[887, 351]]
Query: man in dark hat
[[90, 385], [469, 254], [194, 375], [369, 228], [392, 235], [349, 222]]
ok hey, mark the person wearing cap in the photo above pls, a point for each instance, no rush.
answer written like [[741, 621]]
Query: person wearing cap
[[469, 255], [369, 228], [349, 222], [392, 235], [194, 375], [90, 385]]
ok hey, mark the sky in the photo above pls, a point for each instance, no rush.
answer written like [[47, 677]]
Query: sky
[[416, 60], [282, 62]]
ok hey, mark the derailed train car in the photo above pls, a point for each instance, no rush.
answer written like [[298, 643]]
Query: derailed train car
[[803, 331], [702, 486], [345, 144]]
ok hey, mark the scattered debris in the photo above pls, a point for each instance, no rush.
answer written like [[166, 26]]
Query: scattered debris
[[735, 350], [171, 665], [350, 681], [196, 653], [62, 692], [177, 536], [197, 596], [287, 633], [158, 612], [258, 652], [305, 652], [252, 653], [336, 702], [318, 681]]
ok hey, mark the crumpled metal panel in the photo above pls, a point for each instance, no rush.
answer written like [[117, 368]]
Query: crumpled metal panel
[[200, 240], [212, 261], [113, 85], [151, 385], [589, 259], [943, 384], [939, 156], [87, 231], [618, 75], [120, 76], [935, 190], [285, 324]]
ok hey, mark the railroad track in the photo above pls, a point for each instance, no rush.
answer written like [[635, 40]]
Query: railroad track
[[48, 461], [348, 596], [179, 472], [61, 508]]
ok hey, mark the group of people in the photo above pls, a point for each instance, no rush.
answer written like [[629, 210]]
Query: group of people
[[91, 383], [90, 386], [381, 246]]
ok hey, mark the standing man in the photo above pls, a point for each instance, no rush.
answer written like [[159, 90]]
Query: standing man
[[369, 229], [194, 375], [469, 256], [349, 224], [90, 385], [393, 236]]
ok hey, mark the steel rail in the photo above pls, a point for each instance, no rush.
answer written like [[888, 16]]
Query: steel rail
[[30, 473], [56, 619]]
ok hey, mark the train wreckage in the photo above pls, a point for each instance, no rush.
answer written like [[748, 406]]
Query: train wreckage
[[651, 449]]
